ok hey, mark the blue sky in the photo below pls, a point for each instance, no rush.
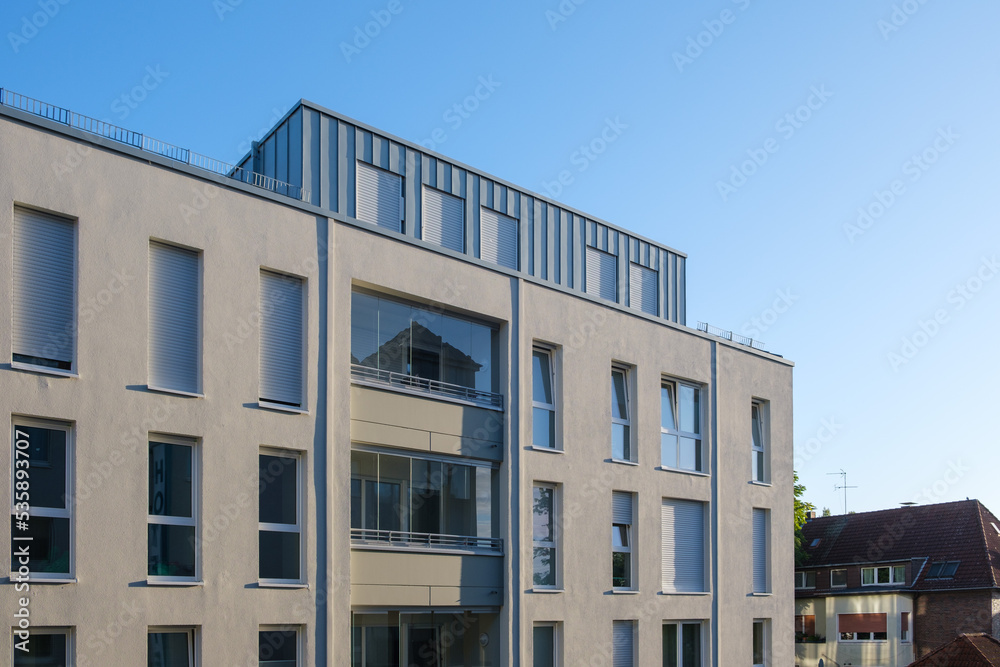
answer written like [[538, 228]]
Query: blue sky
[[830, 170]]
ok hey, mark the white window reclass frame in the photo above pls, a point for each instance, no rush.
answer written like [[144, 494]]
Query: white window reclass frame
[[297, 527], [68, 631], [623, 535], [163, 520], [836, 570], [297, 629], [556, 627], [680, 625], [193, 639], [670, 426], [552, 544], [625, 422], [760, 470], [761, 628], [896, 575], [805, 579], [538, 403]]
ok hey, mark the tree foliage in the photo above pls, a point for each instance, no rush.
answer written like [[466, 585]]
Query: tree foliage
[[801, 509]]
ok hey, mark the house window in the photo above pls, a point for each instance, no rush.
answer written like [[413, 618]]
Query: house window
[[173, 513], [886, 575], [758, 446], [278, 647], [282, 339], [545, 645], [280, 512], [602, 274], [379, 197], [498, 238], [683, 554], [904, 626], [174, 319], [805, 626], [761, 537], [680, 427], [682, 644], [170, 647], [760, 643], [621, 419], [805, 580], [621, 540], [43, 326], [623, 644], [443, 219], [543, 402], [642, 288], [943, 569], [838, 578], [544, 525], [861, 627], [52, 647]]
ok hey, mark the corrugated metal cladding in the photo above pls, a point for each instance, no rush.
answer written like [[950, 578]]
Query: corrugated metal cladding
[[444, 219], [330, 156]]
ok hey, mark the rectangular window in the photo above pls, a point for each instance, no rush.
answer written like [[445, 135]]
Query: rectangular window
[[760, 647], [838, 578], [280, 512], [682, 644], [282, 339], [904, 626], [642, 288], [862, 627], [278, 647], [943, 569], [680, 427], [882, 576], [805, 580], [543, 400], [621, 540], [443, 219], [805, 626], [380, 197], [174, 319], [623, 644], [544, 528], [683, 550], [621, 415], [43, 331], [545, 645], [602, 274], [42, 484], [758, 446], [51, 647], [761, 550], [498, 238], [173, 512], [170, 647]]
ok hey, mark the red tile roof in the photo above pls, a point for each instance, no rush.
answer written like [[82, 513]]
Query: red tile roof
[[978, 650], [962, 531]]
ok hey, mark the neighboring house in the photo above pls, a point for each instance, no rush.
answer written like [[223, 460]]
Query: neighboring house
[[886, 587], [969, 650], [352, 402]]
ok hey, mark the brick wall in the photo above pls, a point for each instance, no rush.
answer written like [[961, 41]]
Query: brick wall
[[940, 617]]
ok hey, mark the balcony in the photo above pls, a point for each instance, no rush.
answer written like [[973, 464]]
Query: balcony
[[375, 377], [393, 539]]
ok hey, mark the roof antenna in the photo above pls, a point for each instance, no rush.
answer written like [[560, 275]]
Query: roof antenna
[[843, 486]]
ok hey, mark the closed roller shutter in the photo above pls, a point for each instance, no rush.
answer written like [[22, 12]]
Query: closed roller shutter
[[281, 344], [759, 550], [174, 312], [498, 238], [621, 507], [443, 219], [379, 197], [622, 644], [683, 556], [642, 288], [602, 274]]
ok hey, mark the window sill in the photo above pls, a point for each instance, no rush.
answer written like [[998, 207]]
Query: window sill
[[173, 582], [32, 580], [282, 584], [754, 482], [761, 595], [548, 591], [696, 473], [175, 392], [550, 450], [44, 370], [278, 407], [624, 462], [688, 593], [624, 591]]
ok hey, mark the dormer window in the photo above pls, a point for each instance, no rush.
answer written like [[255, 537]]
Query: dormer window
[[943, 569]]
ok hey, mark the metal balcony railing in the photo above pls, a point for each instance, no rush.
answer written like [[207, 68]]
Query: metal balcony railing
[[729, 335], [101, 128], [436, 387], [424, 540]]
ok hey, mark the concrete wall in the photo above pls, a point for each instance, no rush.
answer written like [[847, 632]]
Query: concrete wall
[[889, 653]]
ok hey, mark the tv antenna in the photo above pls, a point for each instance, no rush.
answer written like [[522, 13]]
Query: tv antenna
[[843, 486]]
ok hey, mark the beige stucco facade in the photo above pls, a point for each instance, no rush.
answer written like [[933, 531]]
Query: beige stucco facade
[[892, 652]]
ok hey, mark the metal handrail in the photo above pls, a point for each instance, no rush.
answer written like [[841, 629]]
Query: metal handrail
[[9, 98], [438, 387], [729, 335], [430, 540]]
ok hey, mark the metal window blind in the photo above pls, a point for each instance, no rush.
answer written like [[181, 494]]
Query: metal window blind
[[379, 197], [683, 556], [621, 507], [642, 288], [443, 219], [622, 644], [498, 238], [759, 550], [602, 274], [174, 318], [281, 338]]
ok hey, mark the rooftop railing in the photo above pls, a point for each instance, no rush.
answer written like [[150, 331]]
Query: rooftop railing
[[729, 335], [101, 128], [360, 536], [423, 385]]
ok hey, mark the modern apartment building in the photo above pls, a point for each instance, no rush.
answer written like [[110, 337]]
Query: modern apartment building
[[350, 402]]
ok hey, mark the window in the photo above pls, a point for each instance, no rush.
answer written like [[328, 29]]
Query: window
[[42, 485], [621, 540], [759, 454], [498, 238], [602, 274], [174, 319], [545, 555], [904, 626], [805, 580], [543, 402], [805, 626], [380, 197], [622, 644], [278, 647], [943, 569], [51, 647], [173, 513], [280, 508], [413, 502], [545, 645], [680, 427], [761, 570], [43, 331], [876, 576], [621, 421], [760, 643], [682, 644], [838, 578], [683, 556], [443, 219], [861, 627], [282, 339], [170, 647], [642, 288]]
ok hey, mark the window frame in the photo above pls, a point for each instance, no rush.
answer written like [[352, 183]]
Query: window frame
[[680, 624], [164, 520], [628, 548], [906, 636], [673, 385], [266, 312], [760, 468], [892, 575], [630, 456], [194, 640], [551, 354], [546, 544], [805, 579], [297, 527], [840, 569], [556, 640], [151, 385], [297, 629], [766, 537], [68, 631], [764, 643], [861, 640], [49, 512]]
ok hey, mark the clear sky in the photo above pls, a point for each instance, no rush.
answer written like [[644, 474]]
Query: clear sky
[[830, 168]]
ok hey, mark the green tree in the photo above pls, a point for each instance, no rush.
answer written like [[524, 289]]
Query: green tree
[[801, 508]]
